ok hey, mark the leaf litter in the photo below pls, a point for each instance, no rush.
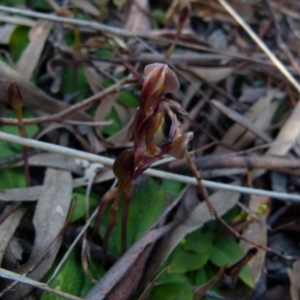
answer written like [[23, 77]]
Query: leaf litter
[[176, 248]]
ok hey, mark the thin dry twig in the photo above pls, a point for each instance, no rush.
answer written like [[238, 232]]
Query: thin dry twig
[[151, 172], [80, 105], [237, 161]]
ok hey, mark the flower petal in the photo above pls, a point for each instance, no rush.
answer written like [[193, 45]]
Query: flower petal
[[178, 147]]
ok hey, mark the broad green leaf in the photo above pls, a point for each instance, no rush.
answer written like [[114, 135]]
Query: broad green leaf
[[172, 291], [199, 241], [203, 275], [182, 261], [172, 188], [80, 208], [146, 206], [12, 178], [115, 126], [7, 148], [128, 99], [226, 250], [71, 278], [18, 42], [173, 277], [81, 82]]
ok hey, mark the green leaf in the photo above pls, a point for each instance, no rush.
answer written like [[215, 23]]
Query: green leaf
[[82, 85], [182, 261], [226, 250], [172, 291], [8, 148], [199, 241], [172, 188], [18, 42], [202, 276], [146, 206], [71, 278], [12, 178], [116, 125], [128, 99], [80, 208]]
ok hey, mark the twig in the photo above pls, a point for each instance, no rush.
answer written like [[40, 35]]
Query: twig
[[60, 115], [238, 161], [261, 44], [121, 32], [50, 17], [151, 172]]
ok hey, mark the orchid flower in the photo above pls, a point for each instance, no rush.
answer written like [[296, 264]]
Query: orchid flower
[[131, 163]]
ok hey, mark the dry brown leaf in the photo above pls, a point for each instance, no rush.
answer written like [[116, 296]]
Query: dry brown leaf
[[288, 134], [257, 233], [16, 20], [125, 115], [6, 31], [33, 193], [241, 120], [210, 74], [49, 218], [22, 194], [8, 227], [87, 7], [294, 276], [260, 114], [137, 19], [31, 55], [93, 78], [58, 161]]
